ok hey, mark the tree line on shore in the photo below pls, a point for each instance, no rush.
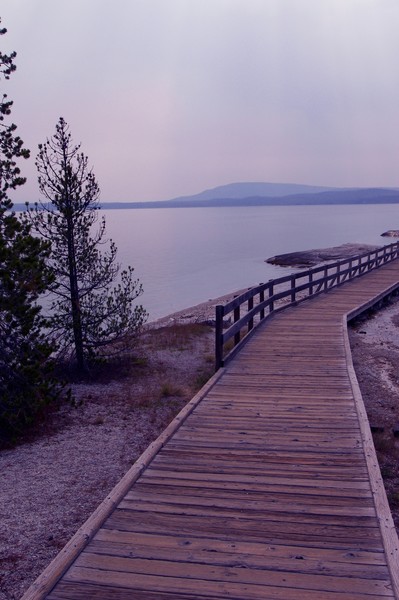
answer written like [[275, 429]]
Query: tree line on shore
[[63, 295]]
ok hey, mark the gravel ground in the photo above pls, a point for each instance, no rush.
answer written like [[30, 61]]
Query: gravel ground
[[375, 351]]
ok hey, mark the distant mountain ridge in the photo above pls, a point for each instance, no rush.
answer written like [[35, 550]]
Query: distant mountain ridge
[[253, 189], [266, 194], [271, 194]]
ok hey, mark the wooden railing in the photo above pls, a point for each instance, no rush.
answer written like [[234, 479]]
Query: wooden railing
[[264, 300]]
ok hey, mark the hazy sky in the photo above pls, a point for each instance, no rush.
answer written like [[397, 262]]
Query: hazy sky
[[170, 97]]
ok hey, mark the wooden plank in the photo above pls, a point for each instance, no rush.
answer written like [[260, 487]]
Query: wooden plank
[[256, 480], [276, 496], [148, 499], [205, 551], [107, 565], [213, 547], [199, 462], [125, 586], [248, 510], [229, 528]]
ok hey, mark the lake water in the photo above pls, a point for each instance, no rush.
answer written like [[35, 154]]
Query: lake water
[[185, 256]]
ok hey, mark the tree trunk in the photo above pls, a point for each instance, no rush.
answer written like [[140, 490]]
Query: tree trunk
[[75, 300]]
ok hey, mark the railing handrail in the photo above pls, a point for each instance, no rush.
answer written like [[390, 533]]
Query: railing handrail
[[332, 275]]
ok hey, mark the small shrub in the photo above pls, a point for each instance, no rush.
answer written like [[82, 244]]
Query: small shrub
[[168, 390], [179, 336], [383, 443], [203, 378], [140, 361], [25, 393], [229, 345]]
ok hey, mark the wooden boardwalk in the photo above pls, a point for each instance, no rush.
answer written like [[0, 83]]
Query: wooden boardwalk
[[266, 487]]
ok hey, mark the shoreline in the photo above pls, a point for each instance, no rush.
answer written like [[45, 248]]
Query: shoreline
[[205, 311], [198, 313]]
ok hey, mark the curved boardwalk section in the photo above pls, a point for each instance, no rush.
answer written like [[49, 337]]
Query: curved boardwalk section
[[269, 489]]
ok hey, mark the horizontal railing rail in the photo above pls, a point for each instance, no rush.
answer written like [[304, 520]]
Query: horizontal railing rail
[[262, 301]]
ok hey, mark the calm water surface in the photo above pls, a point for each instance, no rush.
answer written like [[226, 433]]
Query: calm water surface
[[184, 256]]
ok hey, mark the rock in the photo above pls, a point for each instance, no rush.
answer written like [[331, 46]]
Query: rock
[[395, 430], [310, 258], [390, 233], [294, 259]]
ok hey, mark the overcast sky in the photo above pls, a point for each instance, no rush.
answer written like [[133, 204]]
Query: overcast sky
[[170, 97]]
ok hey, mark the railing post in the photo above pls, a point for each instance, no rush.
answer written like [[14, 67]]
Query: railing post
[[382, 256], [339, 274], [250, 307], [293, 295], [271, 293], [219, 337], [262, 299], [237, 336], [310, 283], [325, 278], [369, 263], [350, 269]]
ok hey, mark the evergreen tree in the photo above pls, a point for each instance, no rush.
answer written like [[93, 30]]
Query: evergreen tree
[[91, 314], [24, 383]]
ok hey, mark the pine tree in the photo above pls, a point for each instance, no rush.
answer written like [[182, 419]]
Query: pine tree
[[91, 314], [24, 352]]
